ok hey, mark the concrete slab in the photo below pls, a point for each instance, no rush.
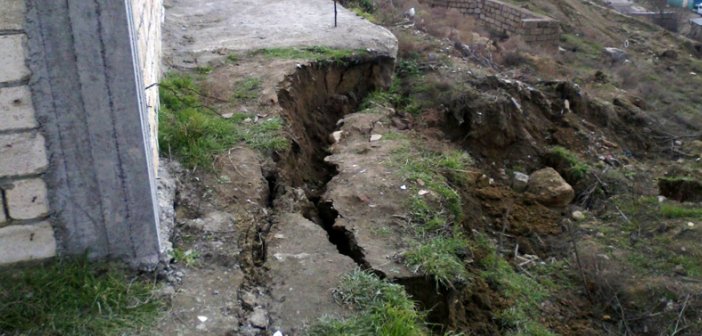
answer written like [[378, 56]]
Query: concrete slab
[[304, 268], [198, 30]]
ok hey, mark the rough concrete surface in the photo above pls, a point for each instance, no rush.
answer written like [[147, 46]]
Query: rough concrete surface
[[166, 184], [89, 100], [304, 267], [195, 31]]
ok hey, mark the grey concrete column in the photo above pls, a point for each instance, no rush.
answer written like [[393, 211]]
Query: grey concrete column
[[88, 96]]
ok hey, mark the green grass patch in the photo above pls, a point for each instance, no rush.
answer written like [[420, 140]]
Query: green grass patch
[[438, 171], [583, 45], [362, 13], [659, 259], [195, 134], [525, 294], [440, 258], [437, 245], [75, 297], [316, 53], [575, 169], [204, 70], [247, 90], [382, 308], [677, 211], [187, 257], [233, 58]]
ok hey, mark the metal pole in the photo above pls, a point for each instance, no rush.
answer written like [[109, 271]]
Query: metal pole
[[334, 13]]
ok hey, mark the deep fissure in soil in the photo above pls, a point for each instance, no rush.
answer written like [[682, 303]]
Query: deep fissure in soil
[[314, 99]]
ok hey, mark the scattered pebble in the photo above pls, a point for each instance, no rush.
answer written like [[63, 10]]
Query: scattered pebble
[[259, 318], [336, 136], [375, 137], [578, 215], [422, 192], [202, 318], [403, 187], [690, 224], [661, 199]]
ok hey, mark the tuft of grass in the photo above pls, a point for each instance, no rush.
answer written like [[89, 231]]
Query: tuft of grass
[[74, 297], [576, 169], [195, 134], [315, 53], [437, 171], [440, 258], [265, 135], [187, 258], [247, 90], [383, 309], [438, 246], [364, 14], [524, 293], [204, 70], [676, 211], [233, 58]]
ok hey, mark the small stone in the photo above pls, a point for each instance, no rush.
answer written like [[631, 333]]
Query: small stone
[[336, 136], [690, 224], [278, 333], [549, 188], [578, 215], [227, 115], [680, 270], [249, 299], [422, 192], [259, 318], [375, 137], [420, 182], [202, 318], [403, 187], [520, 181], [166, 292], [661, 199]]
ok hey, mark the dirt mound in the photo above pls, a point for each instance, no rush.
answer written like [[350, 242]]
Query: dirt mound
[[505, 119]]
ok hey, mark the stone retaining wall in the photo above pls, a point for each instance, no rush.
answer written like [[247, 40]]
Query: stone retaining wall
[[508, 19], [148, 18], [25, 232]]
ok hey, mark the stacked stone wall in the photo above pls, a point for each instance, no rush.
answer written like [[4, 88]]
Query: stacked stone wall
[[148, 17], [507, 19], [25, 232]]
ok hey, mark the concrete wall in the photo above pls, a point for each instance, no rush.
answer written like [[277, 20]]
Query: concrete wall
[[77, 140], [508, 19], [25, 232]]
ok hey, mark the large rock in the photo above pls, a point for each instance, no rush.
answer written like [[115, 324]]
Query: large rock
[[616, 55], [549, 188]]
